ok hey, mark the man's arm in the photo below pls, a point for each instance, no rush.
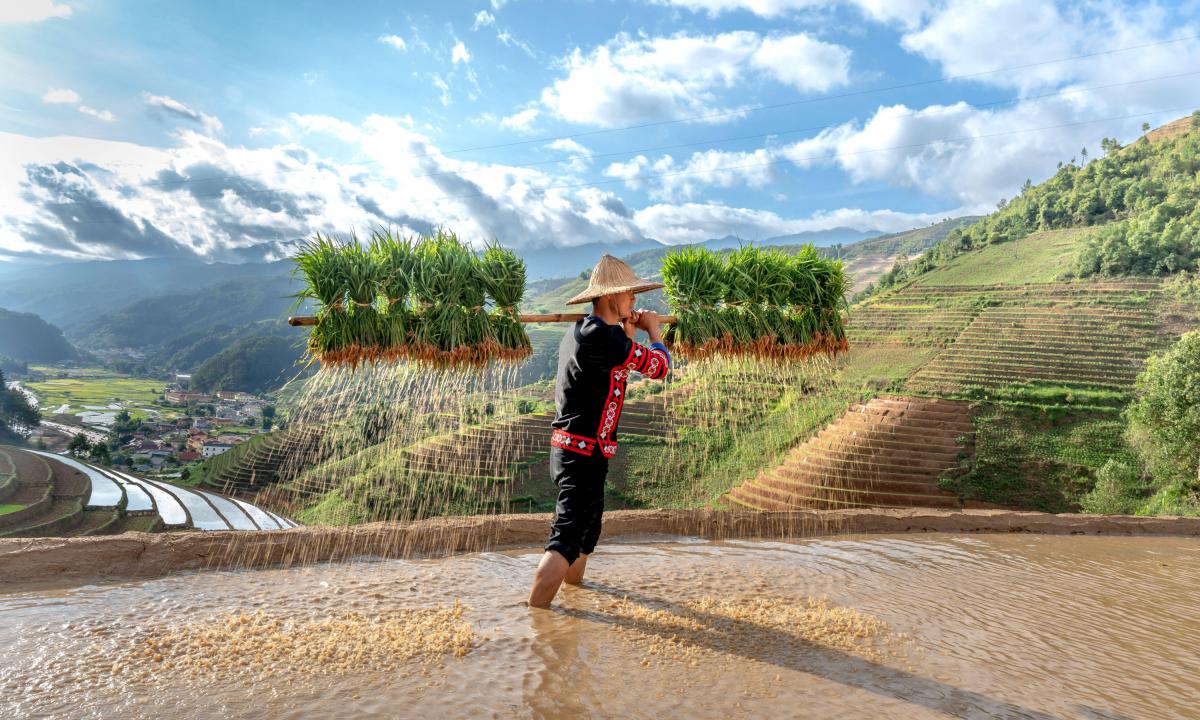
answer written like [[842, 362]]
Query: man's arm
[[657, 360]]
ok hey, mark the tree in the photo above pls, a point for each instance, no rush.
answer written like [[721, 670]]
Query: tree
[[1164, 422], [99, 452], [266, 423], [1083, 154], [268, 411], [1145, 128], [79, 445]]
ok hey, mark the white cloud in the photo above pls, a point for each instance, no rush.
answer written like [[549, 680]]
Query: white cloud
[[629, 80], [580, 156], [710, 168], [483, 18], [104, 115], [460, 54], [61, 95], [1090, 97], [22, 11], [521, 121], [394, 41], [804, 63], [696, 222], [171, 107]]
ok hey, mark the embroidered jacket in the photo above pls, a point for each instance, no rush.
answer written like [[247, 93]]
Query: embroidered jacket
[[594, 362]]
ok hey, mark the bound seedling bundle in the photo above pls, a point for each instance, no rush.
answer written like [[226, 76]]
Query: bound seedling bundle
[[425, 299], [755, 301]]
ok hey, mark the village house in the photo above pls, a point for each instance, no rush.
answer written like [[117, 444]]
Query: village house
[[212, 449], [182, 397]]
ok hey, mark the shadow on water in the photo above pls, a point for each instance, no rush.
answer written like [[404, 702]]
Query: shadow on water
[[762, 644]]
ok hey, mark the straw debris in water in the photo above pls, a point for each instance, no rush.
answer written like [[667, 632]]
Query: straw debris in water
[[243, 644], [755, 627]]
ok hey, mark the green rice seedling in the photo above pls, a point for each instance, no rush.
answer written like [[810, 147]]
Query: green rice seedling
[[396, 260], [361, 275], [452, 328], [320, 262], [503, 274], [741, 320], [695, 284]]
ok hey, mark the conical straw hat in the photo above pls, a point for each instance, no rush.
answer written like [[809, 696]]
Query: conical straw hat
[[611, 275]]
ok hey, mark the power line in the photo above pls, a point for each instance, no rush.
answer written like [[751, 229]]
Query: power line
[[770, 106], [796, 159], [172, 184]]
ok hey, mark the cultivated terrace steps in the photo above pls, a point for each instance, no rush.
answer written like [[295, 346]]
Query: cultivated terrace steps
[[888, 452], [52, 497]]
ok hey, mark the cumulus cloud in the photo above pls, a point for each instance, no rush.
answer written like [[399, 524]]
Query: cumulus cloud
[[521, 121], [979, 155], [170, 107], [580, 156], [629, 80], [61, 95], [460, 54], [24, 11], [669, 179], [394, 41]]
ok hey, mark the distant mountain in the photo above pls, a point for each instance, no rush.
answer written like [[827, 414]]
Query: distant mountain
[[548, 262], [72, 294], [868, 255], [553, 262], [252, 364], [171, 321], [27, 337]]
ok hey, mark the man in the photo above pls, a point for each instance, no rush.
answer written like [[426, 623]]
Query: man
[[595, 359]]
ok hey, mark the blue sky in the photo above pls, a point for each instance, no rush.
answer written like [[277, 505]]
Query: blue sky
[[230, 129]]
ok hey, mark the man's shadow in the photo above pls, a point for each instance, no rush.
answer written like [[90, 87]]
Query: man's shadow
[[767, 645]]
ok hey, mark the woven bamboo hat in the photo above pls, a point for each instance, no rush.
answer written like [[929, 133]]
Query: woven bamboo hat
[[611, 275]]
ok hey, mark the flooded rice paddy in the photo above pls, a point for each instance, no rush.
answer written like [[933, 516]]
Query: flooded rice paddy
[[911, 626]]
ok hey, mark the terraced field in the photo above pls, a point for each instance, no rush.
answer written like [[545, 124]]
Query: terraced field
[[1084, 335], [888, 452], [50, 495]]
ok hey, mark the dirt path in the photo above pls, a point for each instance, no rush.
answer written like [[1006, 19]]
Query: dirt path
[[68, 561]]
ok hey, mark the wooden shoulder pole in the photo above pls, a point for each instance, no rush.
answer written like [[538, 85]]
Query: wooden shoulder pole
[[309, 320]]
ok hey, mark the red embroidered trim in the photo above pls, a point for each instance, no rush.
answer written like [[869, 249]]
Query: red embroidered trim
[[575, 443], [656, 364]]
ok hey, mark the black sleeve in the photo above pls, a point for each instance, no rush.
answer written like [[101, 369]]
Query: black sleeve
[[604, 346]]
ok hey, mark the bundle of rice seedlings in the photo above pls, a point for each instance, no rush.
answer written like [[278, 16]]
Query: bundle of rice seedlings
[[804, 299], [396, 260], [834, 286], [695, 285], [451, 327], [771, 296], [319, 262], [361, 275], [741, 319], [504, 278]]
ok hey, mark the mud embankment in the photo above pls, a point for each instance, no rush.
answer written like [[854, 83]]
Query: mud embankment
[[67, 561]]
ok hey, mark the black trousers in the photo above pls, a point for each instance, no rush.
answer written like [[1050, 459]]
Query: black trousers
[[580, 480]]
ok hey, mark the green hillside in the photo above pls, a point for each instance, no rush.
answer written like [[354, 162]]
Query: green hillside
[[1142, 199], [252, 364], [26, 337]]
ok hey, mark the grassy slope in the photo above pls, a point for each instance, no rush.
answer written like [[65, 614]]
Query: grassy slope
[[1038, 258]]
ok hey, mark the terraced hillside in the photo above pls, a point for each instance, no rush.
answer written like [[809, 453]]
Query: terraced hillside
[[888, 452], [1047, 367], [44, 495]]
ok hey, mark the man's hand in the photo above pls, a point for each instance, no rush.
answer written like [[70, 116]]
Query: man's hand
[[648, 320], [629, 325]]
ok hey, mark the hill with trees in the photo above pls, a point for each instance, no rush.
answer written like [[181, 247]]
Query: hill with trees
[[1143, 198], [25, 337], [252, 364]]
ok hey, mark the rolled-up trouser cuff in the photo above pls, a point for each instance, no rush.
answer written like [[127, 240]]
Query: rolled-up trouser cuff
[[580, 507]]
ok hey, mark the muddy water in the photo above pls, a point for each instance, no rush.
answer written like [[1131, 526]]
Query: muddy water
[[1021, 626]]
